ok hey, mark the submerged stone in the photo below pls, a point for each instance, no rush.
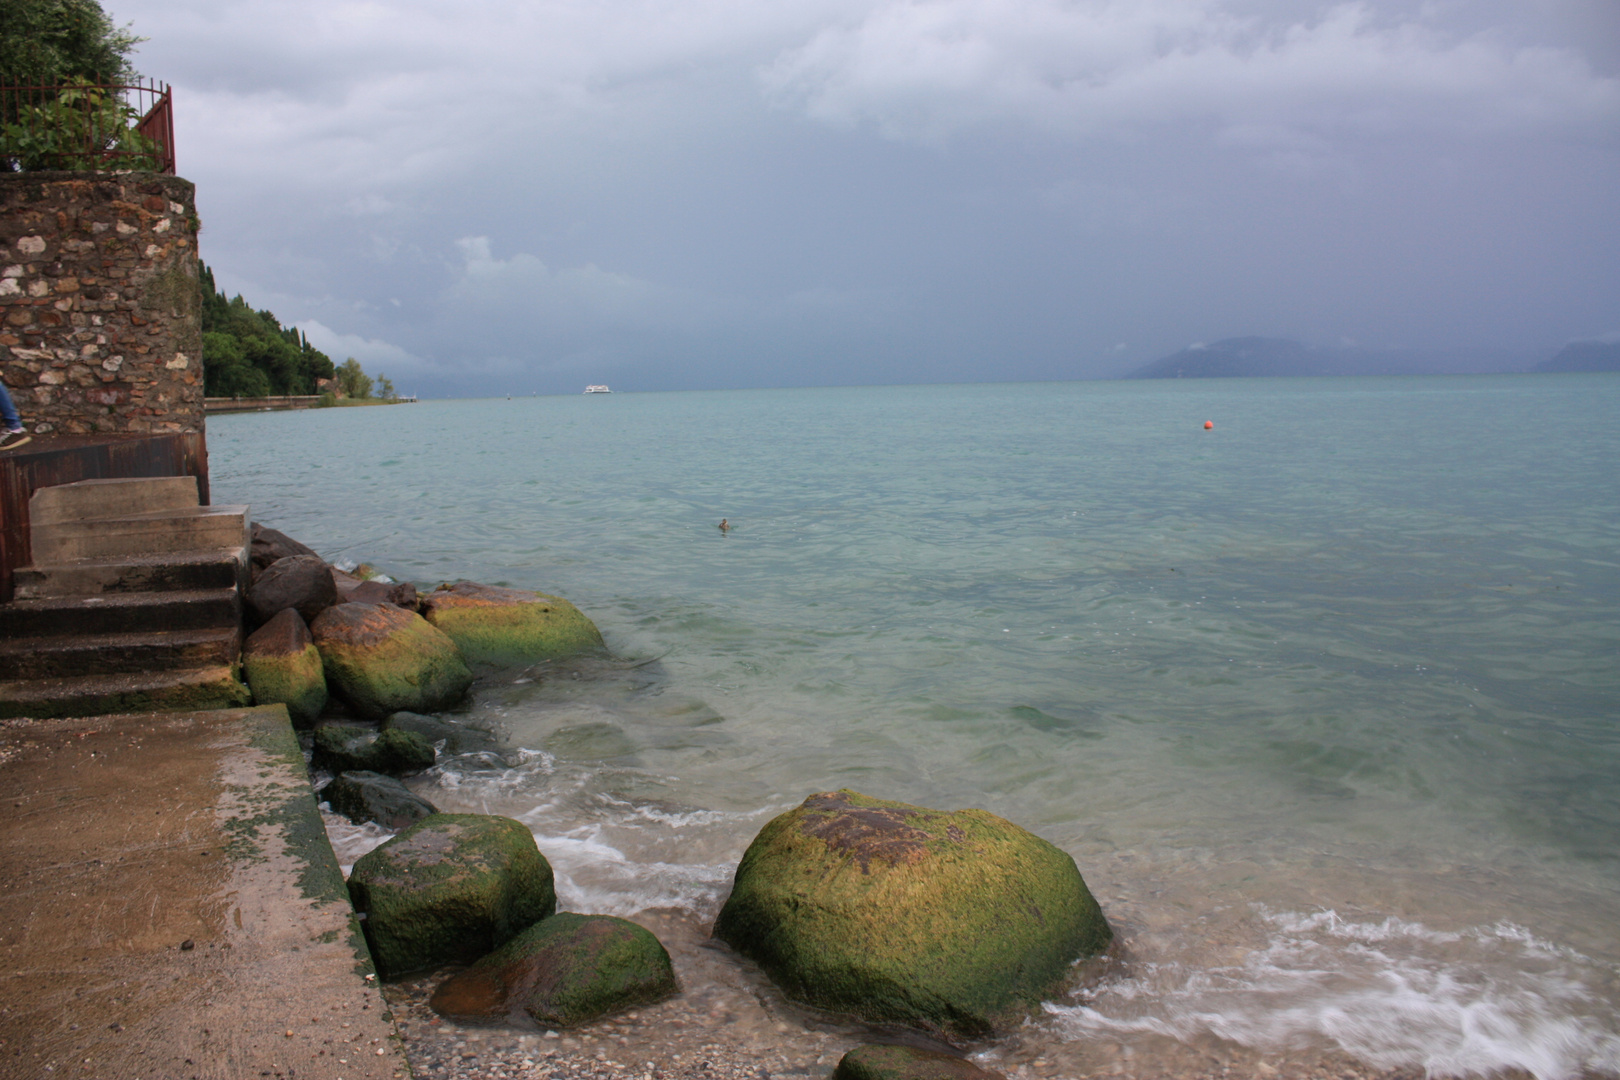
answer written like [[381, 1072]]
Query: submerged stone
[[282, 666], [451, 888], [457, 738], [881, 1062], [368, 796], [341, 748], [381, 659], [510, 627], [562, 972], [950, 922]]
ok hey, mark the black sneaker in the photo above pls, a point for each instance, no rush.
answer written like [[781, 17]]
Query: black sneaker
[[10, 440]]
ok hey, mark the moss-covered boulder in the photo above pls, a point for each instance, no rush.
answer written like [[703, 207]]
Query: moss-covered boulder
[[457, 738], [563, 971], [878, 1062], [950, 922], [508, 627], [368, 796], [341, 748], [380, 659], [282, 666], [452, 887]]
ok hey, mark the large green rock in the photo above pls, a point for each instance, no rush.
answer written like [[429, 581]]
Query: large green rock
[[282, 666], [450, 888], [508, 627], [563, 971], [341, 748], [381, 659], [951, 922], [876, 1061]]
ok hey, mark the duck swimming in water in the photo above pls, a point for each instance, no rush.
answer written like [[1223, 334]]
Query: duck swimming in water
[[725, 526]]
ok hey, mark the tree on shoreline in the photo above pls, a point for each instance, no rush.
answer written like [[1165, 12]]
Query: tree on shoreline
[[354, 381], [248, 353]]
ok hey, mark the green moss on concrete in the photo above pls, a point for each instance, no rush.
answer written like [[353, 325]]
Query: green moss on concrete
[[297, 681], [450, 888], [563, 972], [948, 922], [509, 627], [219, 690]]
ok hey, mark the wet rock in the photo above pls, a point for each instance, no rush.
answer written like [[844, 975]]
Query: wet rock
[[342, 748], [457, 738], [949, 922], [368, 796], [563, 971], [269, 545], [301, 582], [510, 627], [381, 659], [282, 665], [399, 593], [877, 1062], [451, 888]]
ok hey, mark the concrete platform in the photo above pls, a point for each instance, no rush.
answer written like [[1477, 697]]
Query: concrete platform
[[170, 907]]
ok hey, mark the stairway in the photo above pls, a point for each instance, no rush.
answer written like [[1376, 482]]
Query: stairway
[[133, 602]]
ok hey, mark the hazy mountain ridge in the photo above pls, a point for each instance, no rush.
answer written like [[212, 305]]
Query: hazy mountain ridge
[[1261, 357], [1584, 356]]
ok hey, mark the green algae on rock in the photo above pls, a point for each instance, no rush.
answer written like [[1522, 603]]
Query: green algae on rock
[[283, 667], [343, 748], [511, 627], [451, 888], [881, 1062], [562, 972], [950, 922], [380, 659]]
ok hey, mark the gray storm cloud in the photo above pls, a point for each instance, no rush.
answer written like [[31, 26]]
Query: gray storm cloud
[[749, 193]]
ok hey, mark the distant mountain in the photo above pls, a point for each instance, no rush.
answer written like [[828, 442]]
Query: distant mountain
[[1235, 358], [1585, 356], [1258, 357]]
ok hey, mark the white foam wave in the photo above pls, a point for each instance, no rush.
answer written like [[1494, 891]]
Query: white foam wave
[[1393, 993], [594, 876], [350, 841], [509, 770]]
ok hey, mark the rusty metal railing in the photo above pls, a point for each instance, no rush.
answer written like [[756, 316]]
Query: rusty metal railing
[[86, 126]]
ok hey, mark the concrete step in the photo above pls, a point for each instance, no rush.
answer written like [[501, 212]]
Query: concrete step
[[215, 687], [111, 498], [136, 573], [113, 654], [121, 613], [197, 528]]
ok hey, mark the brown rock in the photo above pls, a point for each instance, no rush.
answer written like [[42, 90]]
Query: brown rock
[[298, 581], [270, 546], [400, 594]]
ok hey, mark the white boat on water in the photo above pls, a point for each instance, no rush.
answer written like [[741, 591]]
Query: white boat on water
[[597, 389]]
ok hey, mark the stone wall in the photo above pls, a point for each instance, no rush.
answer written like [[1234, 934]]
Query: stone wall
[[100, 313]]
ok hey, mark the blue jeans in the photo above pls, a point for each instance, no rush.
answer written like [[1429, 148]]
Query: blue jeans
[[9, 420]]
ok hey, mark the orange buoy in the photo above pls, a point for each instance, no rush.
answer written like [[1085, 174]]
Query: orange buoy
[[1208, 424]]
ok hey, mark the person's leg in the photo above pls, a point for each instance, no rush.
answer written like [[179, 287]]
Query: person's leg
[[9, 420]]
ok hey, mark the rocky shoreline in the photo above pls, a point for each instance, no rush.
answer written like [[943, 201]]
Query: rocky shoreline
[[728, 1020]]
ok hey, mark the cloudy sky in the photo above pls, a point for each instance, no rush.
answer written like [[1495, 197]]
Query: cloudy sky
[[491, 196]]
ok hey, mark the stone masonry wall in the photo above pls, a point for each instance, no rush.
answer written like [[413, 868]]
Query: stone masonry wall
[[100, 314]]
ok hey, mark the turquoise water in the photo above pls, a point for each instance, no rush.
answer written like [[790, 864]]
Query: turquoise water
[[1325, 701]]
